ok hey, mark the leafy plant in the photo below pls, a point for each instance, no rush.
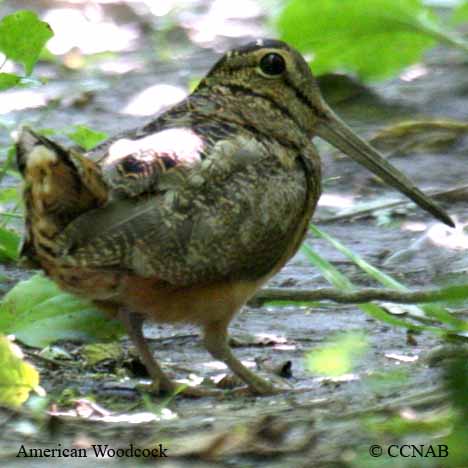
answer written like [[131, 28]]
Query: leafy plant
[[17, 377], [38, 313], [9, 239], [22, 37], [9, 243], [374, 39], [337, 357], [86, 137], [460, 14]]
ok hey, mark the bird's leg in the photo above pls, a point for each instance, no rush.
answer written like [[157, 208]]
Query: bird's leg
[[133, 323], [216, 342]]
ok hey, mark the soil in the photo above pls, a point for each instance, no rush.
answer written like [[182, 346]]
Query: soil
[[325, 425]]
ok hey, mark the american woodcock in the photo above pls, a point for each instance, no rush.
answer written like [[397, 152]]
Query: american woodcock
[[183, 220]]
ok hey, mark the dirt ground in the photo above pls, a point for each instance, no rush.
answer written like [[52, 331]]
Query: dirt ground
[[325, 425]]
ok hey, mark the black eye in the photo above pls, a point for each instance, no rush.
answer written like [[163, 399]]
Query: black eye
[[272, 64]]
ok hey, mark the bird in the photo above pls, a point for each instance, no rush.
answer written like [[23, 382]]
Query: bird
[[183, 219]]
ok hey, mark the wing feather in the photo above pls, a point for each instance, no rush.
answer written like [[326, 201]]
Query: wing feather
[[134, 166]]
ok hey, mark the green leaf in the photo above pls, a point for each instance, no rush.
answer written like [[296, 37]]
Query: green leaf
[[98, 352], [8, 80], [38, 313], [9, 244], [86, 137], [372, 39], [9, 195], [8, 162], [22, 36], [337, 358], [460, 14], [17, 377]]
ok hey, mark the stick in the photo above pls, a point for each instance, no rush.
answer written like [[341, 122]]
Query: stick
[[350, 297]]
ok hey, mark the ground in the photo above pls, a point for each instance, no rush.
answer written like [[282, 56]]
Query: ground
[[328, 424]]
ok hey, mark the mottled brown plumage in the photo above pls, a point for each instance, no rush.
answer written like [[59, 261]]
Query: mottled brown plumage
[[185, 218]]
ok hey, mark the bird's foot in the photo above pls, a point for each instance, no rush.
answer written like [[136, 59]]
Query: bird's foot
[[256, 386], [176, 389]]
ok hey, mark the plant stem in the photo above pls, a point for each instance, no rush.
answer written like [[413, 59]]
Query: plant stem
[[442, 36]]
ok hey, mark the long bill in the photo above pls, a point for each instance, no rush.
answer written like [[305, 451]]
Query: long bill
[[332, 129]]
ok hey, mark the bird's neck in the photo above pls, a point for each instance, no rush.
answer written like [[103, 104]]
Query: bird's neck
[[249, 110]]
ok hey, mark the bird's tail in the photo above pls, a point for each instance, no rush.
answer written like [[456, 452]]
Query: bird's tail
[[59, 186]]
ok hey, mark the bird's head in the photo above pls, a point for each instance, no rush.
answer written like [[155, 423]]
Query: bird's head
[[271, 74]]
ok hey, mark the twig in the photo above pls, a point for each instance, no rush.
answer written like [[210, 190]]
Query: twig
[[347, 297], [54, 362], [438, 195]]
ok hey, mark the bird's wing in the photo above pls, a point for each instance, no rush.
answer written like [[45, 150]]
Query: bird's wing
[[236, 204], [133, 166]]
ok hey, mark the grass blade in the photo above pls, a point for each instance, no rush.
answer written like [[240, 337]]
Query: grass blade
[[337, 279], [432, 310]]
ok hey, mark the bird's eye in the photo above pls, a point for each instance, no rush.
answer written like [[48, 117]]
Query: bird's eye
[[272, 64]]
